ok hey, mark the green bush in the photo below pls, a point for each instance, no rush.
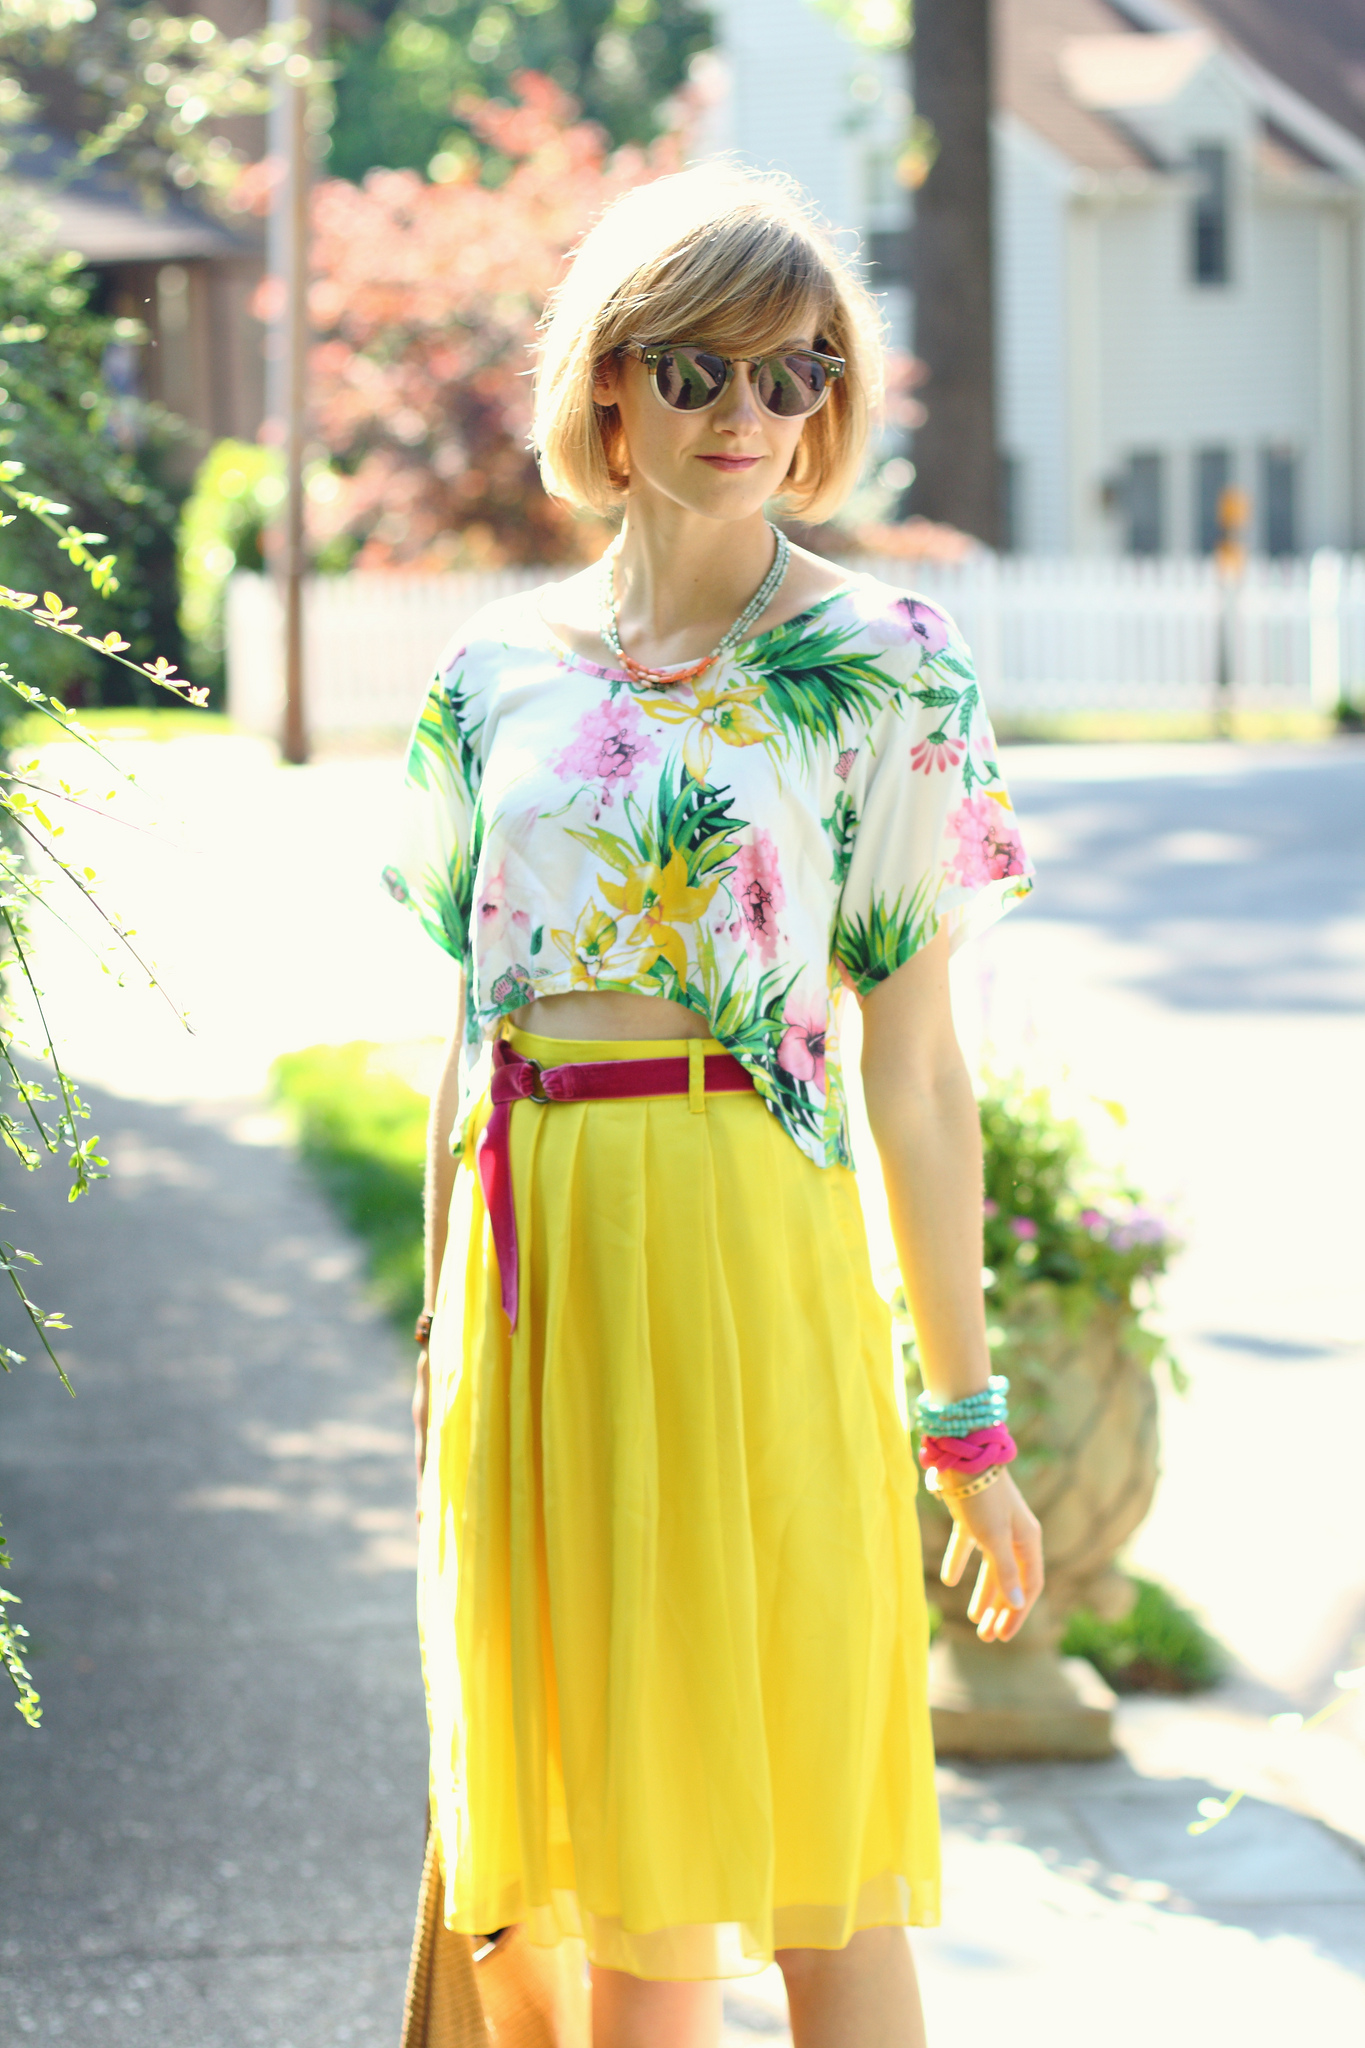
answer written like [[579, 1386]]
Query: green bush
[[1048, 1215], [362, 1131], [237, 489], [60, 419], [1159, 1646]]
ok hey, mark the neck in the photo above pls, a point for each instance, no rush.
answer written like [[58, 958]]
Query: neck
[[682, 581]]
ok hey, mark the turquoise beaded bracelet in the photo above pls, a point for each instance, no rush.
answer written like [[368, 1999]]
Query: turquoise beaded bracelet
[[981, 1410]]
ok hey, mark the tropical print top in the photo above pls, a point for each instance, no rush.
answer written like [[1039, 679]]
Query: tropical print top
[[808, 813]]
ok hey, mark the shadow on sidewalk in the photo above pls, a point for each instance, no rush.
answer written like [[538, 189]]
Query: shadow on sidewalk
[[215, 1838], [1124, 1836]]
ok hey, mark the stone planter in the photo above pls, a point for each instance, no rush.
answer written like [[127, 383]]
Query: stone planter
[[1085, 1417]]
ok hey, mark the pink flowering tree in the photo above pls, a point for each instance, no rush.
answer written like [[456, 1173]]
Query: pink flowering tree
[[425, 298]]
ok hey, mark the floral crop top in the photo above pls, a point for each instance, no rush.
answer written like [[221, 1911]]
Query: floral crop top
[[809, 812]]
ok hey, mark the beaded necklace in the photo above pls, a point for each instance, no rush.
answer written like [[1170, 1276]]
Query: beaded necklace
[[662, 678]]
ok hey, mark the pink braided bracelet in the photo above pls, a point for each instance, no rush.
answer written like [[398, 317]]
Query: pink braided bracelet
[[968, 1454]]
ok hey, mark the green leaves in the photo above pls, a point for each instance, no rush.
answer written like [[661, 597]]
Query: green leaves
[[874, 945], [13, 1636], [812, 688]]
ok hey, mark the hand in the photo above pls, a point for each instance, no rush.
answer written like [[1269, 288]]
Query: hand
[[1000, 1524], [421, 1409]]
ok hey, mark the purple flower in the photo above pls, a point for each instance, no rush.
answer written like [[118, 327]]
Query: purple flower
[[1139, 1226], [920, 622], [1023, 1226]]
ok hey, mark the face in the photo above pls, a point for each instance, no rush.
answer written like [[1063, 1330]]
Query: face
[[725, 462]]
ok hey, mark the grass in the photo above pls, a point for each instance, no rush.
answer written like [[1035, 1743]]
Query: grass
[[1193, 726], [362, 1133], [1159, 1646], [124, 722]]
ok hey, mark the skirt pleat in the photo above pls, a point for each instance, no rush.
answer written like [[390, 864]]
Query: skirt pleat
[[670, 1593]]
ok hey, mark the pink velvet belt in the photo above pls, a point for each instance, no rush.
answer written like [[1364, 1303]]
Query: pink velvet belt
[[517, 1079]]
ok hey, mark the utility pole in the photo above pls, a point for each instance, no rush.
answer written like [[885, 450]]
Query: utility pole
[[287, 364], [957, 462]]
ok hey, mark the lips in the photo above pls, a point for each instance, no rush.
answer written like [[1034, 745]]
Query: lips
[[731, 462]]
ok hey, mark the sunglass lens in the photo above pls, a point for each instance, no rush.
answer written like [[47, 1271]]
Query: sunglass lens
[[689, 379], [791, 385]]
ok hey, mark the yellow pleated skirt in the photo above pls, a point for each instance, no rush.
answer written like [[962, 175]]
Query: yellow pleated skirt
[[670, 1593]]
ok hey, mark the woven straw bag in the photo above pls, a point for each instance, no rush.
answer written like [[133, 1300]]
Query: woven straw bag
[[514, 1996]]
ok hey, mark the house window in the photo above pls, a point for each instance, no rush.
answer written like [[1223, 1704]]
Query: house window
[[1212, 476], [1279, 501], [1144, 491], [1209, 237]]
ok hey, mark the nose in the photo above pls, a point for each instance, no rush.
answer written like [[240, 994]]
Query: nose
[[738, 410]]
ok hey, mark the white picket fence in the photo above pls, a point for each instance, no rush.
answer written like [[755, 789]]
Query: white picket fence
[[1049, 634]]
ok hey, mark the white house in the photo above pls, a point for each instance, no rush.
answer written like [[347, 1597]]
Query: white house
[[1180, 249]]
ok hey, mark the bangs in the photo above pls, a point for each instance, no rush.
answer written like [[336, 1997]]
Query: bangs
[[741, 286]]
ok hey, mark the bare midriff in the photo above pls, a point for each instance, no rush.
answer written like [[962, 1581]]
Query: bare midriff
[[588, 1015]]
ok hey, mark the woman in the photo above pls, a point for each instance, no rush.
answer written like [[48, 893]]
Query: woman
[[671, 1603]]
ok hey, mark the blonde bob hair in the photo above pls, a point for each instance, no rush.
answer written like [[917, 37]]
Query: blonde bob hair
[[712, 255]]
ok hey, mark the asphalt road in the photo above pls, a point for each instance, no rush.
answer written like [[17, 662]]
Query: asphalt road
[[215, 1839]]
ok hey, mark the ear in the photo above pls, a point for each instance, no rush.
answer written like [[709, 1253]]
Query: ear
[[606, 381]]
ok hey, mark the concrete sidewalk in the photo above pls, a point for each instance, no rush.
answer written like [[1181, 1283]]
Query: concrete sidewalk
[[214, 1842]]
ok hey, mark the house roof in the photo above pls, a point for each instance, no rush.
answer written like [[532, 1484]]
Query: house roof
[[1071, 69], [1029, 36], [1110, 72], [105, 222], [1316, 47]]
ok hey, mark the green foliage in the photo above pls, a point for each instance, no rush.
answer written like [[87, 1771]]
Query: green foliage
[[138, 86], [236, 491], [1049, 1215], [362, 1131], [13, 1636], [59, 419], [1159, 1646], [395, 92], [33, 865]]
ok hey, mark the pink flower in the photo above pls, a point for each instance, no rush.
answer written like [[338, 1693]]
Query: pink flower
[[943, 754], [990, 1208], [988, 842], [802, 1051], [843, 766], [610, 743], [923, 623], [496, 915], [758, 890], [1023, 1227], [1091, 1219]]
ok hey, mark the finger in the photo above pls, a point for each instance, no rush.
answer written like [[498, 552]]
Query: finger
[[984, 1598], [955, 1558], [1013, 1617], [1009, 1586]]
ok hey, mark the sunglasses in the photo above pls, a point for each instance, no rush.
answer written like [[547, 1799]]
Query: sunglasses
[[790, 385]]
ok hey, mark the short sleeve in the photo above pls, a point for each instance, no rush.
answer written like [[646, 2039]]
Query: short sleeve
[[437, 853], [934, 839]]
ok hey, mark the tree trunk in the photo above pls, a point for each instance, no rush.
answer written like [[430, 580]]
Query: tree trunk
[[957, 465]]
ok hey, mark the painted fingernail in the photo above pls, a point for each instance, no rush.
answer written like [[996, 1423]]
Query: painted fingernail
[[1016, 1598]]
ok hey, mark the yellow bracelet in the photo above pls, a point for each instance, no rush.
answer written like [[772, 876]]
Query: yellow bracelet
[[948, 1494]]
